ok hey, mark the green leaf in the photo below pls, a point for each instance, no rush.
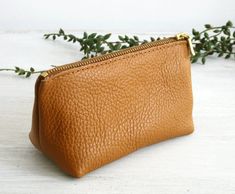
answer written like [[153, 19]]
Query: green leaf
[[107, 36], [203, 60], [126, 38], [227, 32], [32, 69], [28, 74], [71, 36], [17, 69], [229, 24], [208, 26], [222, 38], [21, 72], [92, 35], [84, 57], [144, 41], [136, 38], [85, 35], [194, 32], [111, 46], [216, 31], [61, 31], [227, 56], [117, 46], [100, 50], [194, 59], [121, 38], [46, 36], [206, 35]]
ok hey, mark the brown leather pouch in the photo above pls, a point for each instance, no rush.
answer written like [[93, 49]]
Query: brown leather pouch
[[89, 113]]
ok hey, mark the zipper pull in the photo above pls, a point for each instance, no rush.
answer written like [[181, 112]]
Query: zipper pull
[[44, 74], [185, 36]]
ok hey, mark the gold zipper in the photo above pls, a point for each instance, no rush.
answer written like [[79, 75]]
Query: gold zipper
[[183, 35], [180, 36]]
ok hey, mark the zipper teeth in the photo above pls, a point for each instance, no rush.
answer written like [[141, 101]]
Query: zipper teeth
[[107, 56]]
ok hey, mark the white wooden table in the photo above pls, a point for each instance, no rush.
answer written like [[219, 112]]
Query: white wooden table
[[202, 163]]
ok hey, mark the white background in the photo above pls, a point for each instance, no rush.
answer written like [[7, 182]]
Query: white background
[[114, 15]]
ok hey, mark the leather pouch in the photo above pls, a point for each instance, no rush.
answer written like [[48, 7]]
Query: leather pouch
[[89, 113]]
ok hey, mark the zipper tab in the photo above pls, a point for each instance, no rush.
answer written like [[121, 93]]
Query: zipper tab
[[185, 36], [44, 74]]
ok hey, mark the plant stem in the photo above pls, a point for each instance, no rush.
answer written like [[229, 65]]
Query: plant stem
[[8, 69], [213, 28]]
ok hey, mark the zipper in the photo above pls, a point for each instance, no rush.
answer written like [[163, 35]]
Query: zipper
[[183, 35], [178, 37]]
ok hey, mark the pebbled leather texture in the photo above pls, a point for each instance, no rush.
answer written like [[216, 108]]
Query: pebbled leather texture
[[88, 116]]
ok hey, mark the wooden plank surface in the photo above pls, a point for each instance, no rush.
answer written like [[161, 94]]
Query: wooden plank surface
[[202, 163]]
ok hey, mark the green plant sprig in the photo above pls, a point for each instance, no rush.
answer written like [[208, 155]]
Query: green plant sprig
[[96, 44], [22, 72], [213, 40], [219, 40]]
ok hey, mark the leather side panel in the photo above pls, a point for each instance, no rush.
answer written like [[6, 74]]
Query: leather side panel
[[34, 133]]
